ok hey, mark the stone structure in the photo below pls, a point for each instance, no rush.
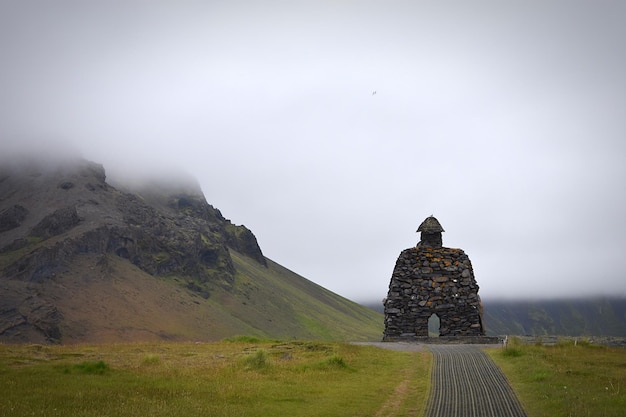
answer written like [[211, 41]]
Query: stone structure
[[428, 280]]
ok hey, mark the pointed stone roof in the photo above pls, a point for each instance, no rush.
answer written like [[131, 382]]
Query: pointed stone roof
[[430, 225]]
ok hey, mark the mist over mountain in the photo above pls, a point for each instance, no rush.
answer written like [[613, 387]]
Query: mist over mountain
[[144, 256], [593, 316], [82, 260]]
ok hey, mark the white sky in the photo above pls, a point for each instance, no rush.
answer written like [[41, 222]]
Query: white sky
[[504, 119]]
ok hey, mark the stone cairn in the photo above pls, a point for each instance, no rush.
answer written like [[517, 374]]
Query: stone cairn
[[430, 279]]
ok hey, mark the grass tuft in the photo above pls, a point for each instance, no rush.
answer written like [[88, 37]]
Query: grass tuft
[[335, 362], [259, 360], [151, 359], [91, 368], [512, 352]]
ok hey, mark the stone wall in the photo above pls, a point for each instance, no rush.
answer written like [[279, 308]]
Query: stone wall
[[432, 280]]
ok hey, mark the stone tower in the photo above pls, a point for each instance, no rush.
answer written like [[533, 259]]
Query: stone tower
[[430, 279]]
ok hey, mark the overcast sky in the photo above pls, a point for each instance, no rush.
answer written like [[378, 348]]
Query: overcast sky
[[506, 120]]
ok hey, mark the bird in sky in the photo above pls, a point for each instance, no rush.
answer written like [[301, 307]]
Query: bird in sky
[[374, 93]]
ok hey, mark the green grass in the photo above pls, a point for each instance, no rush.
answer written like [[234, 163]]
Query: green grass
[[304, 310], [90, 367], [249, 376], [566, 380], [245, 377]]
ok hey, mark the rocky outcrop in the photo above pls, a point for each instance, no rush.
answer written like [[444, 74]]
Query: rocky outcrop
[[56, 214], [153, 242], [12, 217], [158, 255], [56, 223], [243, 241], [190, 211], [29, 319], [238, 238], [96, 263]]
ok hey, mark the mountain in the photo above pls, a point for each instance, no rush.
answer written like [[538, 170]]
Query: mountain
[[568, 317], [82, 260], [599, 316]]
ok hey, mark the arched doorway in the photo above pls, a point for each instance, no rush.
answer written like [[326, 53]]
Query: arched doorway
[[434, 325]]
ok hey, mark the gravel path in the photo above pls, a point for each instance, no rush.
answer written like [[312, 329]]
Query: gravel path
[[466, 383]]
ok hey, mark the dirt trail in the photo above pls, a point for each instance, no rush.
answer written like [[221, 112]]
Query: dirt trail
[[390, 407]]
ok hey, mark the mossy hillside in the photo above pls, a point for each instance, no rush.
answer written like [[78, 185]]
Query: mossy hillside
[[113, 300], [298, 307]]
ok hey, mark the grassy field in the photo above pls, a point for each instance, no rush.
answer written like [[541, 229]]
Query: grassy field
[[243, 377], [249, 377], [569, 379]]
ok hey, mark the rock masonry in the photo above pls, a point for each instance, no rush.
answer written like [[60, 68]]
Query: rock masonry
[[431, 279]]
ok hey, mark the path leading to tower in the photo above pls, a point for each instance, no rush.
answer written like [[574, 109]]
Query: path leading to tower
[[467, 383]]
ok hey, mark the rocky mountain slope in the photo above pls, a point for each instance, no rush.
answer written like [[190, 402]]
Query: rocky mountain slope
[[84, 261]]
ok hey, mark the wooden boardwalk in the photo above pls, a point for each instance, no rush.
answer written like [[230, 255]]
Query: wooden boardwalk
[[466, 383]]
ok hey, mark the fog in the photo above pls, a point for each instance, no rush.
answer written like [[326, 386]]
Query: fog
[[332, 129]]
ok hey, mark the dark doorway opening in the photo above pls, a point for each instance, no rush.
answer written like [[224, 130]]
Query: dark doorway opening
[[433, 325]]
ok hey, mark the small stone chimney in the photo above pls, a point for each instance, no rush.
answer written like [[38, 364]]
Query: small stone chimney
[[430, 233]]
